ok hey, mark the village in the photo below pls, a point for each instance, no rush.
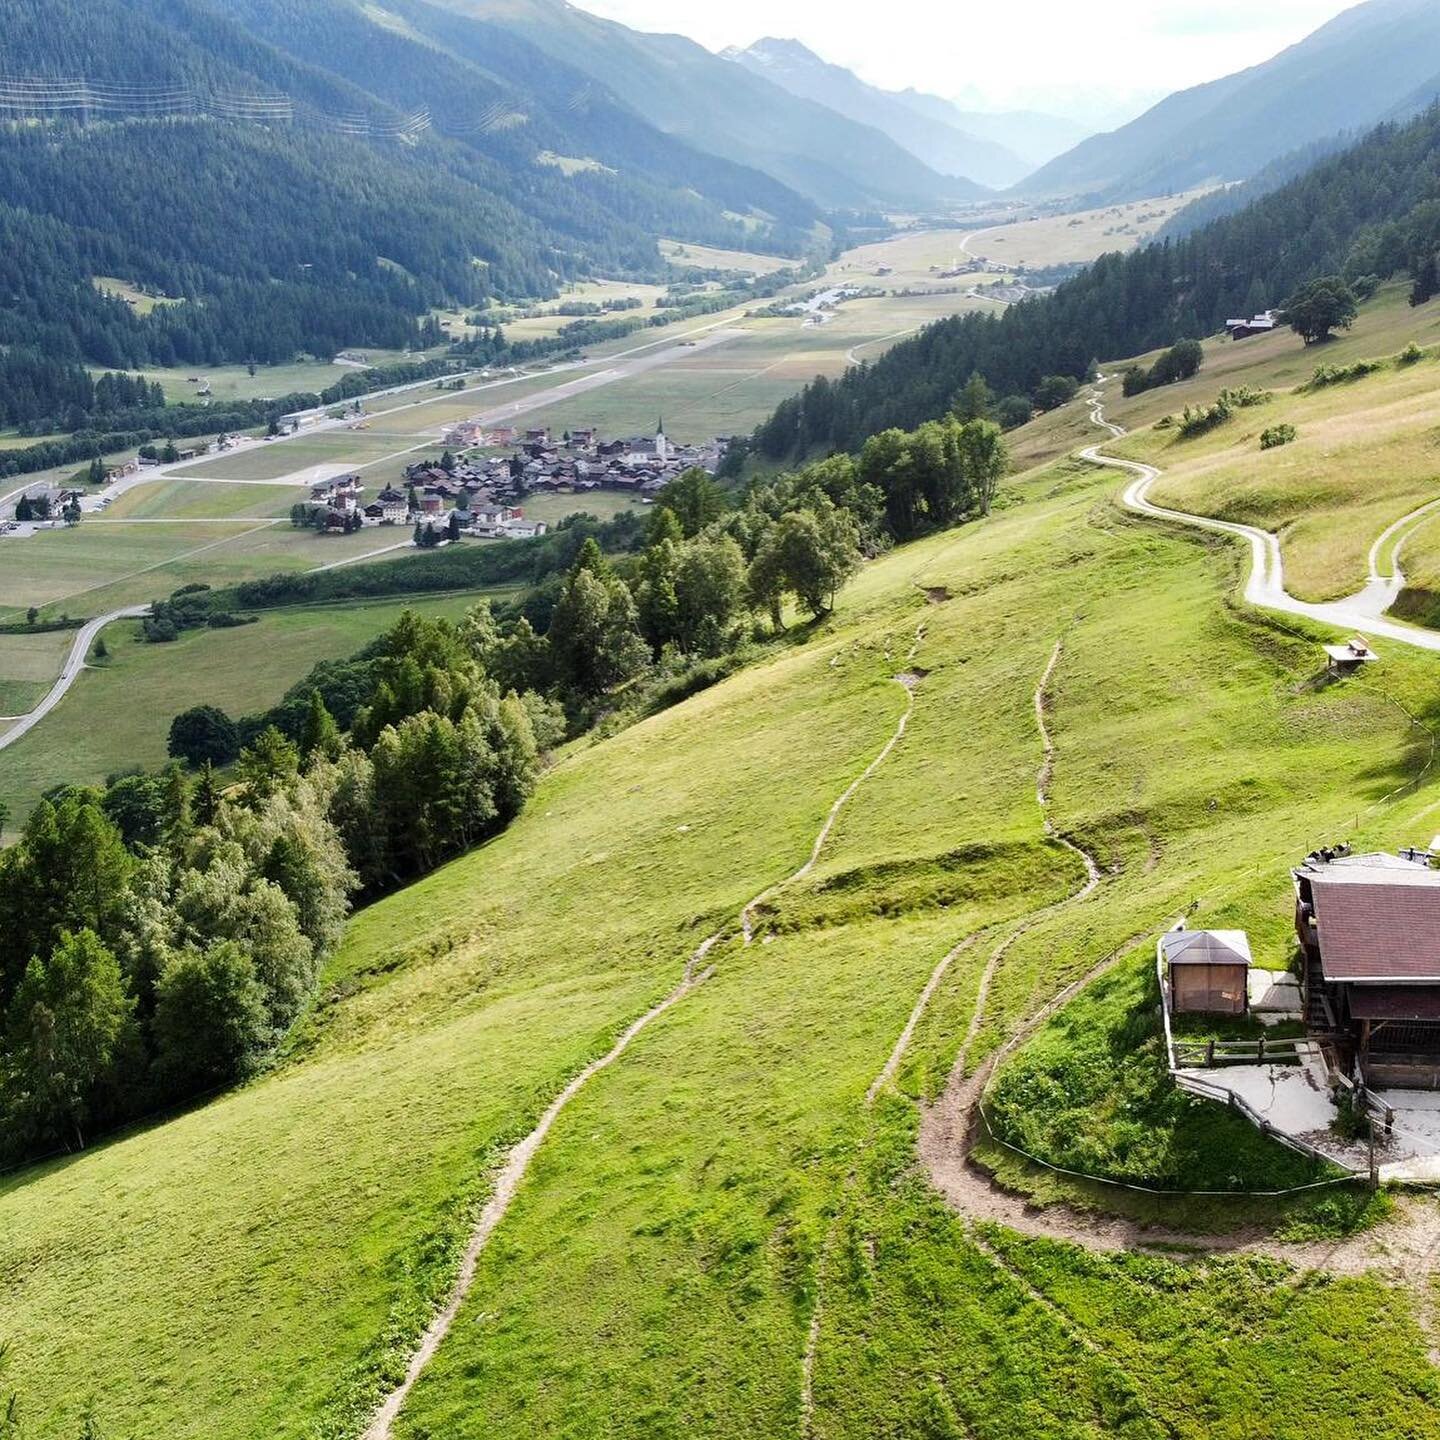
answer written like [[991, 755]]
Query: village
[[478, 485]]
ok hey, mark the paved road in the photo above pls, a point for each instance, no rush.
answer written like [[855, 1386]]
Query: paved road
[[74, 664], [1265, 586]]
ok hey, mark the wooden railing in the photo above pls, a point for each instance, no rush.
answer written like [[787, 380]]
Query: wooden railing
[[1233, 1052]]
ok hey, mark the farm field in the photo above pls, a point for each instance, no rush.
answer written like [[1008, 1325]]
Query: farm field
[[28, 665], [603, 504], [235, 382], [118, 713], [1075, 238], [708, 257], [724, 1190]]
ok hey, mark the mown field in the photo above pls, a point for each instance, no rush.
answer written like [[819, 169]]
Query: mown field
[[118, 713], [267, 1258]]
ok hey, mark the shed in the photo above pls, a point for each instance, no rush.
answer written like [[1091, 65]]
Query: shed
[[1208, 971]]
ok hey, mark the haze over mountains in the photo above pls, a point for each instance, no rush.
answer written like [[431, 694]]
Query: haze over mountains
[[1378, 61], [985, 148]]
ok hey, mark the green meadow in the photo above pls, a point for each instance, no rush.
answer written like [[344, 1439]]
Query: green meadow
[[269, 1257]]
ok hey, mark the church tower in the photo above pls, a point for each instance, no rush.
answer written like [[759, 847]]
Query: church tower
[[662, 445]]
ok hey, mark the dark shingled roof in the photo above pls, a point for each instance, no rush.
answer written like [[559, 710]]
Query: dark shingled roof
[[1377, 922], [1205, 947], [1394, 1002]]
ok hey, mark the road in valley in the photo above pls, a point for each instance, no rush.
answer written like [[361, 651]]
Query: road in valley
[[74, 664]]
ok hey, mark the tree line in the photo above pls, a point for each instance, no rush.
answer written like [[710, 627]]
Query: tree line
[[1372, 211]]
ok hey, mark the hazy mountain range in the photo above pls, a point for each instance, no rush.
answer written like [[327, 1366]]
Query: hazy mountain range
[[996, 150], [1377, 61]]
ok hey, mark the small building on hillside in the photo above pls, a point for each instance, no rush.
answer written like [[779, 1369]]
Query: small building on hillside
[[1207, 971], [1347, 658], [1369, 931], [1261, 324]]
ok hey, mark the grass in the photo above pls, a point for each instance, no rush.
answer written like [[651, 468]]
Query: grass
[[657, 1272], [710, 257], [267, 1257], [1091, 1093], [1077, 238], [29, 665], [118, 713]]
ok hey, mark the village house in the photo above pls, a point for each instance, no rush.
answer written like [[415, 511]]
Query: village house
[[393, 506], [1369, 931]]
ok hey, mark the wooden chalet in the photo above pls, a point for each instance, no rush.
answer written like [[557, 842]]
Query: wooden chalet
[[1369, 929]]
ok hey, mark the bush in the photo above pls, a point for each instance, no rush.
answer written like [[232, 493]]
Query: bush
[[1341, 374], [1200, 421], [204, 732], [1276, 436], [1412, 354]]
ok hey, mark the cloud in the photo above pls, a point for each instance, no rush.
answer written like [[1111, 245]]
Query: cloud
[[1010, 54]]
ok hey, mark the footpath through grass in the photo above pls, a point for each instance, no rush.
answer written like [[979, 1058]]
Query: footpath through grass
[[263, 1260]]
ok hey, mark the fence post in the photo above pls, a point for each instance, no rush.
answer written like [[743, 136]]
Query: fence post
[[1210, 1056], [1260, 1057]]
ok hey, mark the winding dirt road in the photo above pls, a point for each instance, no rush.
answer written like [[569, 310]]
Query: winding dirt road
[[1265, 586]]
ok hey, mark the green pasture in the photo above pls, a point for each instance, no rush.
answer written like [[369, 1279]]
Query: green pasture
[[270, 1255]]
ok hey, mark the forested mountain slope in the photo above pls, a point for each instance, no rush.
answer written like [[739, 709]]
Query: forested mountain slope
[[937, 139], [1370, 211], [721, 108], [1379, 60], [283, 192]]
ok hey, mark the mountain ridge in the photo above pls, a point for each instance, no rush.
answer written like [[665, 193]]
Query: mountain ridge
[[1344, 76]]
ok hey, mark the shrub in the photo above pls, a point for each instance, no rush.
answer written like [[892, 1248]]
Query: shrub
[[1412, 354], [1342, 374], [1201, 421], [1276, 436]]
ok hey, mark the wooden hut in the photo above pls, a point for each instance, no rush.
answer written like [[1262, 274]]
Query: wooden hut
[[1208, 971]]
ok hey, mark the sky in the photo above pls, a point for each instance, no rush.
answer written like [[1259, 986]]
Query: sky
[[1104, 56]]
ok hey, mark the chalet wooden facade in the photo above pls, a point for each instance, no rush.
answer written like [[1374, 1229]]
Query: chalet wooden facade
[[1369, 930]]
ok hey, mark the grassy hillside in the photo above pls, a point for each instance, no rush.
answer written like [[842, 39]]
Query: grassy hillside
[[268, 1257], [1362, 459]]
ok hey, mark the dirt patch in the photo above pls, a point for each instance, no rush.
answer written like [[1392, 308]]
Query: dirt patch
[[936, 594], [912, 677]]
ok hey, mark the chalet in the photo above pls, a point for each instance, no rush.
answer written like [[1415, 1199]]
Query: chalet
[[393, 505], [1207, 971], [540, 435], [1369, 930], [1261, 324]]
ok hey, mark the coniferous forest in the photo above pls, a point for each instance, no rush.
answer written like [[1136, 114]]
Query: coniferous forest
[[1372, 211]]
